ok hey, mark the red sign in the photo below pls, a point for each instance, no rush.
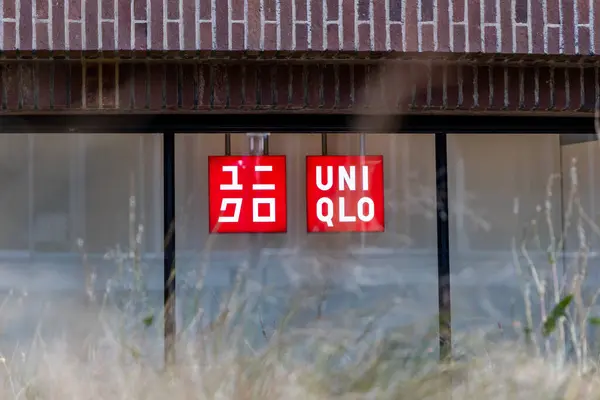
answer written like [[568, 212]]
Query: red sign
[[344, 194], [247, 194]]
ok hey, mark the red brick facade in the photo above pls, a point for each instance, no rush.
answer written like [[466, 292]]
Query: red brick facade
[[317, 87], [491, 26], [186, 55]]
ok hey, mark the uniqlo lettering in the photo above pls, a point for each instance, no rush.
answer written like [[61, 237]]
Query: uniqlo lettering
[[344, 194], [247, 194]]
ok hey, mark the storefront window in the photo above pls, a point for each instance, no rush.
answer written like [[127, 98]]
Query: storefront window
[[77, 209], [498, 195], [582, 179], [14, 202], [580, 160], [351, 268], [129, 167], [66, 196]]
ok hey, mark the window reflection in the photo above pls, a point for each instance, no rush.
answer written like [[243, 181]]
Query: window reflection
[[498, 191], [14, 173], [353, 268], [101, 189], [582, 221], [66, 196]]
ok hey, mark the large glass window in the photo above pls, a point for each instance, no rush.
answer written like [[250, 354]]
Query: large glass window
[[68, 195], [581, 191], [523, 230], [15, 159], [352, 269], [78, 210], [580, 162], [129, 168], [505, 205]]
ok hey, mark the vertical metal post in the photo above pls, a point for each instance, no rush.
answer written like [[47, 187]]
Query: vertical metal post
[[400, 161], [142, 188], [592, 169], [324, 144], [265, 145], [443, 246], [228, 144], [169, 245], [362, 144], [158, 189], [30, 193]]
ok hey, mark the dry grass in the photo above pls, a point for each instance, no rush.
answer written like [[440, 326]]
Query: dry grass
[[336, 364]]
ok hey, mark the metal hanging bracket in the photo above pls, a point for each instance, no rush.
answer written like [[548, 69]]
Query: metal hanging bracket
[[258, 143]]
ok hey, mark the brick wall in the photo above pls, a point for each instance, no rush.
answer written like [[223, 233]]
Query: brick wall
[[515, 26], [144, 86]]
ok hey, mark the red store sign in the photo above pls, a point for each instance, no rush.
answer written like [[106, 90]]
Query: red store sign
[[247, 194], [344, 194]]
